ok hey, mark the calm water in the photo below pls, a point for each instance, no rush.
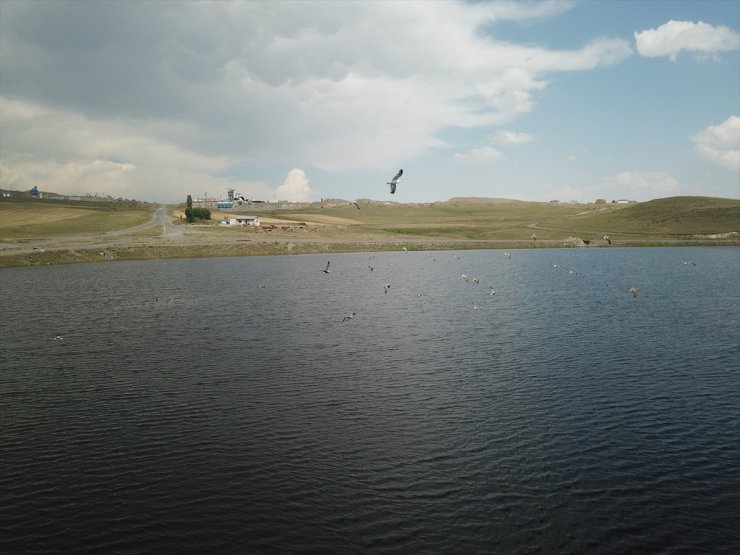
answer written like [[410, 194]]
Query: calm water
[[223, 406]]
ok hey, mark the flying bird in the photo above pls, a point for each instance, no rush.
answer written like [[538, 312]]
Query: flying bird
[[327, 270], [633, 290], [355, 203], [386, 287], [393, 182], [348, 317], [606, 238], [493, 291]]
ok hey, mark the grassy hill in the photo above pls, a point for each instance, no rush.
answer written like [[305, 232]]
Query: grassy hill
[[464, 219], [487, 219], [673, 216], [24, 218]]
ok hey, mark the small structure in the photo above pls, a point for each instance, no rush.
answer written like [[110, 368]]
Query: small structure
[[252, 221]]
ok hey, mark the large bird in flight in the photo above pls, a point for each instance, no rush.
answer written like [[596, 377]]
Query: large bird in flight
[[393, 182]]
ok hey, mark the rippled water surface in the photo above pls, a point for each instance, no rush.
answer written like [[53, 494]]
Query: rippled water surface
[[223, 406]]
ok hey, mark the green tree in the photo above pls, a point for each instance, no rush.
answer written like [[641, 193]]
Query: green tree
[[189, 215]]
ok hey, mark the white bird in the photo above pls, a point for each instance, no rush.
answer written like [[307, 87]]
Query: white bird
[[348, 317], [687, 262], [475, 307], [493, 291], [386, 287], [633, 290], [507, 254], [393, 182], [58, 338], [405, 250], [327, 270], [355, 203], [606, 238]]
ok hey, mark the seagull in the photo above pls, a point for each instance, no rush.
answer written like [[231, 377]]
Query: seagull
[[475, 307], [371, 268], [386, 287], [687, 262], [493, 291], [606, 238], [58, 338], [327, 270], [393, 182], [465, 277], [355, 203], [475, 280], [507, 254], [405, 250], [633, 290], [533, 237], [348, 317]]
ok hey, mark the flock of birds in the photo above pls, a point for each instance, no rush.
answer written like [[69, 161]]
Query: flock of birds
[[393, 183], [471, 280]]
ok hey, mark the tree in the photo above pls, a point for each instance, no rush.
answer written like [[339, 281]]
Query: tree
[[189, 216]]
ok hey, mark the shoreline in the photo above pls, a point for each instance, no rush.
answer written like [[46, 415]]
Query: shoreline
[[88, 250]]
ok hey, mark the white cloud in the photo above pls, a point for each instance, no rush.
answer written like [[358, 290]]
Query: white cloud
[[504, 137], [480, 155], [638, 181], [721, 143], [671, 38], [630, 185], [295, 187], [198, 89]]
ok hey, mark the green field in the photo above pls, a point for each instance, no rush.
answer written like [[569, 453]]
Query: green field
[[39, 218], [491, 219], [33, 231]]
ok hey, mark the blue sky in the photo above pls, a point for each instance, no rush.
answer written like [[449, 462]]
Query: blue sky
[[307, 100]]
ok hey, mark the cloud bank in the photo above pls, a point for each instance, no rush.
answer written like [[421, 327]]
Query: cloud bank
[[179, 95]]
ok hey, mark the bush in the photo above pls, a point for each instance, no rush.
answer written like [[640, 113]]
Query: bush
[[201, 213], [193, 214]]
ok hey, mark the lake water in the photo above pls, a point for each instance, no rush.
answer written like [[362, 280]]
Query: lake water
[[222, 405]]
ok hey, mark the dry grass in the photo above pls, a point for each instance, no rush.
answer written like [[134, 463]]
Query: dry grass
[[377, 226], [33, 219]]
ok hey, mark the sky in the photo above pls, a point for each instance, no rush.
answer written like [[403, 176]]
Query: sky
[[299, 101]]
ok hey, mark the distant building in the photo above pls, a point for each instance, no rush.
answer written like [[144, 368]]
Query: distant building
[[251, 221], [600, 201]]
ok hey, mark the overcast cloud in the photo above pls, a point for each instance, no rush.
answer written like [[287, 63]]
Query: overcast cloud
[[138, 98]]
